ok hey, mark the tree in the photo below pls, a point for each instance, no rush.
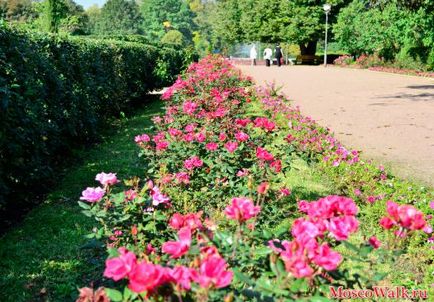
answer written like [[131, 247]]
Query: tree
[[173, 38], [17, 10], [226, 23], [54, 12], [119, 17], [203, 39], [59, 16], [161, 16], [93, 14], [393, 31], [291, 21], [75, 21]]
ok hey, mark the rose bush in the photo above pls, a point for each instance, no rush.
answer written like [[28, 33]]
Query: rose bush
[[212, 220]]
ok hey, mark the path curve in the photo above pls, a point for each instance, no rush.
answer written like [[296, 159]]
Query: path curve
[[389, 117]]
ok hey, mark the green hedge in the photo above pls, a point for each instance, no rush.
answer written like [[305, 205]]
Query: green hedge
[[56, 92]]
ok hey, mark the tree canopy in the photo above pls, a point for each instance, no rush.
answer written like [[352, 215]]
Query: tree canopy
[[161, 16], [297, 21], [119, 17]]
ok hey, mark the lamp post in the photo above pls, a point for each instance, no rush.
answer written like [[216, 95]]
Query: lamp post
[[327, 7]]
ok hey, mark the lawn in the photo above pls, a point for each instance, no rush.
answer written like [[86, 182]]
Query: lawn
[[45, 256]]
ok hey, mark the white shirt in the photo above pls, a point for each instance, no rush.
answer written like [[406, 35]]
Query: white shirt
[[268, 53], [253, 53]]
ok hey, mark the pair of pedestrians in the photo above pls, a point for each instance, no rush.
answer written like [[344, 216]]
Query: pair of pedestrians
[[268, 54]]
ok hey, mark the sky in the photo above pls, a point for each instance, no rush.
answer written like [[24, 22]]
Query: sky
[[87, 3]]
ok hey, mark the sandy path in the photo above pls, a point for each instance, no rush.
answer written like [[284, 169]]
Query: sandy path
[[389, 117]]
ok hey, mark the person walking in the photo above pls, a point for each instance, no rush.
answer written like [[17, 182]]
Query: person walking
[[278, 55], [253, 54], [268, 53]]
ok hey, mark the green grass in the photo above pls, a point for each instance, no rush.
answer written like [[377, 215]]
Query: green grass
[[43, 258]]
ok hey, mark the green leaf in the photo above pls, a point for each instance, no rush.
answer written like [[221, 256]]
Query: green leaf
[[262, 251], [84, 205], [364, 251], [299, 285], [351, 246], [240, 277], [281, 229], [379, 276], [127, 293], [113, 294], [150, 226]]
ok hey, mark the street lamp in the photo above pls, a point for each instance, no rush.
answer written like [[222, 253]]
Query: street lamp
[[327, 7]]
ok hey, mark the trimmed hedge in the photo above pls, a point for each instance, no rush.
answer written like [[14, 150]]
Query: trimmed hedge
[[56, 91]]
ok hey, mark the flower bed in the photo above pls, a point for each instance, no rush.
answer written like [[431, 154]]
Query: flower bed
[[213, 219], [375, 63]]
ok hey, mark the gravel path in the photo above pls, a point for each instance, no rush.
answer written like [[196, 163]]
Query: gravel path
[[389, 117]]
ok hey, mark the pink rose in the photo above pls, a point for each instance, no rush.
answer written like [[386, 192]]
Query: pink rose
[[189, 107], [193, 162], [222, 136], [119, 267], [180, 275], [263, 154], [304, 230], [231, 146], [342, 227], [178, 248], [303, 206], [182, 177], [174, 132], [200, 137], [243, 172], [276, 166], [158, 197], [176, 221], [299, 268], [387, 223], [190, 127], [107, 179], [263, 187], [242, 122], [144, 138], [374, 242], [211, 146], [242, 209], [212, 273], [327, 258], [146, 277], [189, 137], [92, 194], [241, 136], [285, 192]]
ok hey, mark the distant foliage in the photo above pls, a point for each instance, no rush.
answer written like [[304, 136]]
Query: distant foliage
[[174, 38], [393, 31], [55, 92], [119, 17], [16, 10], [161, 16]]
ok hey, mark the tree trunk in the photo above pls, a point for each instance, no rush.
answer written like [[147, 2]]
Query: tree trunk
[[308, 48]]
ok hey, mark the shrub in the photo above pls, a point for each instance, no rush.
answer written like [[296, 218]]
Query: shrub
[[56, 91], [392, 30], [344, 60], [366, 61]]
